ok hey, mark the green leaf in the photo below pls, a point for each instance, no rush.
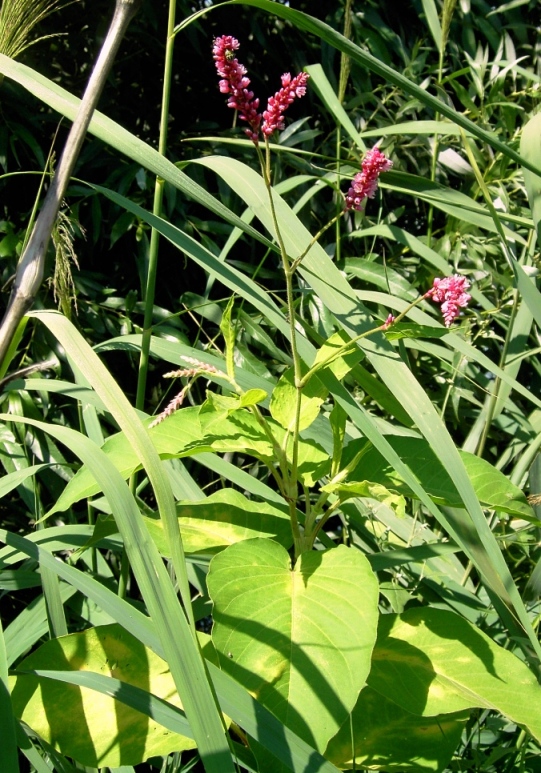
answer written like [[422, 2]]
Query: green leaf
[[492, 487], [322, 85], [386, 736], [366, 488], [284, 398], [8, 747], [299, 640], [222, 519], [410, 330], [433, 21], [530, 148], [336, 356], [190, 431], [95, 729], [430, 661], [14, 479], [252, 397]]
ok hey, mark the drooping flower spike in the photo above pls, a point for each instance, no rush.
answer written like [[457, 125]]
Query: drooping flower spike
[[451, 293], [365, 182], [235, 83]]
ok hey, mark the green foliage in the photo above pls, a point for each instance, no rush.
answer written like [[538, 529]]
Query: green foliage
[[339, 497]]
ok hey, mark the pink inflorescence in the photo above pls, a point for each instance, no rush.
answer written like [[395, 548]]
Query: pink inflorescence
[[451, 293], [365, 183], [235, 83], [273, 118]]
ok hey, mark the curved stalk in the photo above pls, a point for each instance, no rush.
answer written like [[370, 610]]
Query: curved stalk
[[31, 265]]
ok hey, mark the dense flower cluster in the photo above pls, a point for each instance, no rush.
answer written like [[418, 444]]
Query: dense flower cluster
[[278, 104], [234, 81], [451, 293], [365, 183]]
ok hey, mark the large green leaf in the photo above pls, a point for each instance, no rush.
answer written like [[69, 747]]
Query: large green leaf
[[222, 519], [235, 701], [95, 729], [430, 661], [380, 734], [189, 431], [492, 487], [299, 639]]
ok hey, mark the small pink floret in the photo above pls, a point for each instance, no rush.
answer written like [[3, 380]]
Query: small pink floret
[[365, 182], [388, 322], [292, 88], [451, 293]]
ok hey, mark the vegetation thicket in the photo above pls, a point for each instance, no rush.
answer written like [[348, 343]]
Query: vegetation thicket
[[269, 369]]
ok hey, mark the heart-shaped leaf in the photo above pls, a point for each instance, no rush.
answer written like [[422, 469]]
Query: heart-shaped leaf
[[300, 640]]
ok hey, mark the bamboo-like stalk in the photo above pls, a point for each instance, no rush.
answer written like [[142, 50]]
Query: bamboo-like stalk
[[18, 18], [150, 289], [30, 269]]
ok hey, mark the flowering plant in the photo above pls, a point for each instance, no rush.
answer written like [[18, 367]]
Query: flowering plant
[[308, 501]]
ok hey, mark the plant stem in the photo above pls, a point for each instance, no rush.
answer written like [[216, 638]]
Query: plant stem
[[291, 481], [31, 265], [150, 290], [296, 263], [350, 344], [494, 393]]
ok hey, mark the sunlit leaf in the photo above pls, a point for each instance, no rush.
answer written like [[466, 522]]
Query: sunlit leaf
[[387, 737], [299, 639], [430, 661]]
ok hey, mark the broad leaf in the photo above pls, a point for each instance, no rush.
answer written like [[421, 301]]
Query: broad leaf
[[222, 519], [431, 661], [190, 431], [492, 487], [380, 734], [300, 640], [95, 729]]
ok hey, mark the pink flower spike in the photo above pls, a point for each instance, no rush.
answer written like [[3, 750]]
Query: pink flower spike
[[365, 183], [235, 83], [292, 88], [451, 293]]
